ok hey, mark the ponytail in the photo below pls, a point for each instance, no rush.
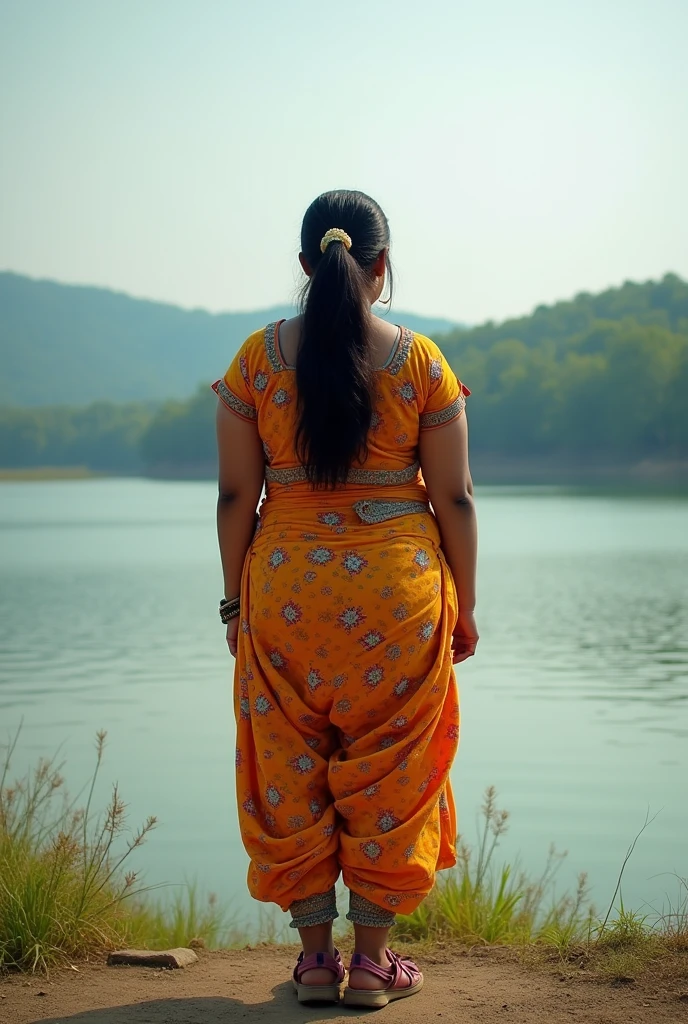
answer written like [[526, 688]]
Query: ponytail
[[334, 370]]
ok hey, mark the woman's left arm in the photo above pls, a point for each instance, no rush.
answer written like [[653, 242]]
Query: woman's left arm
[[241, 477]]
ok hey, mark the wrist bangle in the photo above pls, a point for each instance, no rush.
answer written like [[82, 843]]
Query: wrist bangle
[[229, 608]]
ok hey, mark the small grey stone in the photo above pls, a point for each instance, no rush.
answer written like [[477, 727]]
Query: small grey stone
[[153, 958]]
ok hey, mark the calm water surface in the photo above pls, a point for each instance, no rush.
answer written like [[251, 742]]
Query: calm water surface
[[576, 707]]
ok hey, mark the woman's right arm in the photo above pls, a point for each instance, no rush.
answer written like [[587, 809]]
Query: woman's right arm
[[443, 455]]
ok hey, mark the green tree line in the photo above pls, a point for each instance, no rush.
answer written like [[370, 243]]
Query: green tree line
[[103, 436], [133, 437], [602, 377]]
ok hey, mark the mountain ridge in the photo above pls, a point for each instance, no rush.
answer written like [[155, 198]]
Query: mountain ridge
[[588, 388], [73, 344]]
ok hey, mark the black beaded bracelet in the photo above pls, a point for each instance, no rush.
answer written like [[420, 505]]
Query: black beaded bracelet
[[229, 609]]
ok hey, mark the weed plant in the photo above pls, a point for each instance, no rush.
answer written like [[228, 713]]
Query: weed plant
[[64, 883], [476, 902], [182, 920], [67, 893], [479, 902]]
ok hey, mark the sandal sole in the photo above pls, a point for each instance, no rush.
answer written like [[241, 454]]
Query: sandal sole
[[318, 993], [377, 998]]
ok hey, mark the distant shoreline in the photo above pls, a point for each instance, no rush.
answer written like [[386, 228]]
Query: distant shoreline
[[51, 473], [487, 471], [555, 470]]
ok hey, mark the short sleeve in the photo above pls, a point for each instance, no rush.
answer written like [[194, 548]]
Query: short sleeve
[[234, 389], [446, 395]]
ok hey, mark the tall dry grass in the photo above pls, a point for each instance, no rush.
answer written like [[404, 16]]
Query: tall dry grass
[[480, 902], [67, 892], [477, 902], [64, 883]]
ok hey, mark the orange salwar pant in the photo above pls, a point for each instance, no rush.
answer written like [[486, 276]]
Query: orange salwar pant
[[346, 702]]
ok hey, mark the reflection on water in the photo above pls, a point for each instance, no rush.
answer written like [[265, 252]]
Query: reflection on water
[[576, 706], [613, 626]]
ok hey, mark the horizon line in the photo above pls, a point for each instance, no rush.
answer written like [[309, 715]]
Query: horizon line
[[112, 290]]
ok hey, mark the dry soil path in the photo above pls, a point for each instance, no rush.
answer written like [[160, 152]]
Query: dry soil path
[[252, 985]]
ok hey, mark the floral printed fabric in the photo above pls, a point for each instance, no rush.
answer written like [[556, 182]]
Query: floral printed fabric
[[417, 390], [345, 697], [347, 709]]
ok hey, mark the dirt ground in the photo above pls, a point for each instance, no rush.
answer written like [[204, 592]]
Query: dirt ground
[[471, 987]]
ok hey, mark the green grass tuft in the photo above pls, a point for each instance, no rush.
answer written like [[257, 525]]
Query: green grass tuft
[[476, 902], [184, 920], [64, 886], [67, 894]]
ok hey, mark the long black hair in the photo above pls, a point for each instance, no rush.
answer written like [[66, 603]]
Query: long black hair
[[334, 367]]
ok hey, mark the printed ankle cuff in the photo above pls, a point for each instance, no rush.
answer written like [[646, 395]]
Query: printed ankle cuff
[[313, 910], [363, 912]]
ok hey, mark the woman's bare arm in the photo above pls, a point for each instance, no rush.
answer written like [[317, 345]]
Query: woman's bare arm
[[444, 464], [241, 476]]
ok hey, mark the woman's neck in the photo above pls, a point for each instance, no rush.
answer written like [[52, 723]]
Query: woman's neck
[[382, 339]]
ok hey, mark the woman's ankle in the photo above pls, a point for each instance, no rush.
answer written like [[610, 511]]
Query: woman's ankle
[[317, 939], [379, 958], [372, 942]]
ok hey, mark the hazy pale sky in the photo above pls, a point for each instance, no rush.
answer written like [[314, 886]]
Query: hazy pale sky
[[523, 150]]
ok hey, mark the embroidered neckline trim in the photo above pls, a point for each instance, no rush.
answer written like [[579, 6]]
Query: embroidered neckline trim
[[395, 361]]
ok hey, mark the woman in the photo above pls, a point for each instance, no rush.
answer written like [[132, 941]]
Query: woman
[[347, 604]]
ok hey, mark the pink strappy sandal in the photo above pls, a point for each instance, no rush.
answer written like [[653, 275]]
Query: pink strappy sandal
[[320, 993], [402, 976]]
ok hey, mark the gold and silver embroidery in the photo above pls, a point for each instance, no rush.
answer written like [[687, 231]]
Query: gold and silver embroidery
[[372, 477], [377, 511], [402, 352], [271, 348], [232, 402], [442, 416], [435, 370]]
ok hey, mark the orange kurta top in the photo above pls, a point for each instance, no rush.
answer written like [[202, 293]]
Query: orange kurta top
[[345, 697]]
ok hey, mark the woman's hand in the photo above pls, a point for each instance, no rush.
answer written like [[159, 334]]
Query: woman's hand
[[232, 634], [465, 637]]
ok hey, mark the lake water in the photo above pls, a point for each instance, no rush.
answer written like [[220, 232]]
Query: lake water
[[575, 708]]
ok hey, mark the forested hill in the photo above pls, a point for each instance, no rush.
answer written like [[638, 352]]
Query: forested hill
[[650, 304], [70, 345], [592, 387], [601, 376]]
